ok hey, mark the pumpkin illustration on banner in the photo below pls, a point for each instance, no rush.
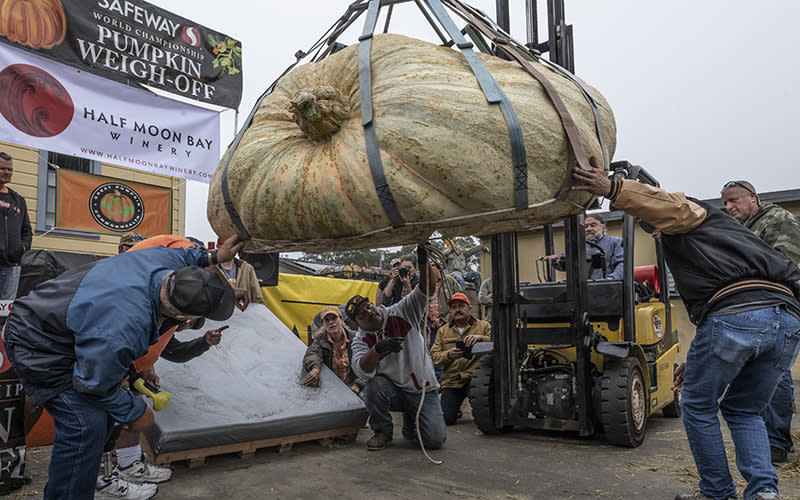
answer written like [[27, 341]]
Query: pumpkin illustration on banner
[[38, 24], [34, 101], [300, 178]]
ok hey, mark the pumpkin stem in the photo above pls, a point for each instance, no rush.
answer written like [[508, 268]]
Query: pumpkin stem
[[319, 112]]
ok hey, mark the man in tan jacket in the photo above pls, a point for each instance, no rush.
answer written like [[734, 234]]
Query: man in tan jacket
[[240, 274], [453, 350]]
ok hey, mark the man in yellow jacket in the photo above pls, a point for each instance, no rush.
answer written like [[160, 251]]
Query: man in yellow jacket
[[453, 350]]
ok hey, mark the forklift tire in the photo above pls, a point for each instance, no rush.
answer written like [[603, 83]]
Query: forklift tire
[[481, 397], [673, 410], [623, 402]]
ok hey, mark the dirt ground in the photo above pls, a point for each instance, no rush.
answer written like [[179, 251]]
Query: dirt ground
[[519, 465]]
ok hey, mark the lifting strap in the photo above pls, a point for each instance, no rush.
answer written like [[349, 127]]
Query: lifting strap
[[576, 151], [494, 95], [368, 118]]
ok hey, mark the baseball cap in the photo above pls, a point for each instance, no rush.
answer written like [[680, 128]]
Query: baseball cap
[[199, 292], [458, 296], [395, 262], [130, 239], [330, 310], [354, 305]]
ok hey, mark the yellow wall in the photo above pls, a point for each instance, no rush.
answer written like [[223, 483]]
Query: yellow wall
[[25, 182], [531, 247]]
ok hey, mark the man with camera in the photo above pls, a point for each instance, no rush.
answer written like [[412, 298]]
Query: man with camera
[[399, 283], [453, 351]]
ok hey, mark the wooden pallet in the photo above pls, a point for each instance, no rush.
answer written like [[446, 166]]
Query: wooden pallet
[[197, 457]]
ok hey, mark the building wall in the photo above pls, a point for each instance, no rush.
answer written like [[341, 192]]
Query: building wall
[[531, 247], [26, 180]]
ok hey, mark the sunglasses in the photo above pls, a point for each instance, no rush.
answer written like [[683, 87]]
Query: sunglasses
[[741, 184], [354, 305]]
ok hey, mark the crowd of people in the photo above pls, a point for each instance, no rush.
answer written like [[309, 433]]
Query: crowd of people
[[74, 340]]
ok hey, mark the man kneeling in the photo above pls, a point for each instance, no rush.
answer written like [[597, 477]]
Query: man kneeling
[[390, 351]]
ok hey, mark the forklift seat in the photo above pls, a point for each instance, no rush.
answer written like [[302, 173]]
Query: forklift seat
[[648, 275]]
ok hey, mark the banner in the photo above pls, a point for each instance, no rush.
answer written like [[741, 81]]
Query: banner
[[86, 202], [297, 298], [129, 40], [50, 106]]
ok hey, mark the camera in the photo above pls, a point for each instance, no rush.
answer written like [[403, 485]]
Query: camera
[[466, 352], [403, 271]]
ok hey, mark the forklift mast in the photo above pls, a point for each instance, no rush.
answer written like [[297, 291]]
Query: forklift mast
[[508, 329]]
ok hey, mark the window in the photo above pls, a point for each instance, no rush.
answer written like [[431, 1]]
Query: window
[[49, 163]]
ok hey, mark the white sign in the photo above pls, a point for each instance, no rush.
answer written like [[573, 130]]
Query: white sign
[[50, 106]]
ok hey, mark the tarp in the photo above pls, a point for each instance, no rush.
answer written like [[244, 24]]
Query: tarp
[[130, 40], [247, 388], [54, 107], [100, 204], [298, 298]]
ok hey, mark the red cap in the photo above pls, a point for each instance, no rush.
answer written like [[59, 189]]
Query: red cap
[[458, 296]]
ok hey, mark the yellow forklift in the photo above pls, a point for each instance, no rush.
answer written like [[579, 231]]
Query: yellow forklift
[[581, 355]]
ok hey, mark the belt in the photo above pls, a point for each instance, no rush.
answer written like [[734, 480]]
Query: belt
[[751, 285]]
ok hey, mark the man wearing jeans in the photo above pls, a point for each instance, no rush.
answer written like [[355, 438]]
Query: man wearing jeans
[[15, 231], [741, 294], [390, 352], [780, 229], [453, 351], [73, 338]]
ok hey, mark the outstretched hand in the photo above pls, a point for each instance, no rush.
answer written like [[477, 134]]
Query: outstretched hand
[[389, 344], [229, 248], [593, 180]]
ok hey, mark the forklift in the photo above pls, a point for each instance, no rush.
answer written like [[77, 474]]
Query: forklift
[[576, 355]]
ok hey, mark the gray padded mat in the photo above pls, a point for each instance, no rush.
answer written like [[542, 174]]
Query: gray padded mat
[[247, 388]]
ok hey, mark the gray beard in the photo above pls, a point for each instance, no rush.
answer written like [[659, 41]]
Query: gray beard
[[595, 237]]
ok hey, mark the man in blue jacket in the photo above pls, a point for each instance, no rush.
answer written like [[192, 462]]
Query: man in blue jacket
[[72, 339], [597, 241]]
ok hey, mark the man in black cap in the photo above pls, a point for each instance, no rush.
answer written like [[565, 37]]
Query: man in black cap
[[73, 338]]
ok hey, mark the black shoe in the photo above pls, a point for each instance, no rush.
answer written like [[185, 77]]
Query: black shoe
[[778, 455]]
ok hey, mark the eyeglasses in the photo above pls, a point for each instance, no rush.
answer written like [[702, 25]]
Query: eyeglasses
[[741, 184]]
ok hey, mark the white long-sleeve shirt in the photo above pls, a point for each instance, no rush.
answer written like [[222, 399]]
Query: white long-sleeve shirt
[[410, 369]]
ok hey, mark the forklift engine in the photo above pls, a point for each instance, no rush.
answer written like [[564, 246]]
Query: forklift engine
[[547, 378]]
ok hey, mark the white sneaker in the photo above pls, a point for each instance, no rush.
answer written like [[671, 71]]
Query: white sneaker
[[120, 488], [143, 472]]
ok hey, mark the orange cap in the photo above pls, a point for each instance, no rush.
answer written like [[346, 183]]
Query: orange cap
[[458, 296], [330, 310]]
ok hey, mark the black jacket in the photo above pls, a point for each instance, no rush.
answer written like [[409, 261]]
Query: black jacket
[[16, 230], [720, 252]]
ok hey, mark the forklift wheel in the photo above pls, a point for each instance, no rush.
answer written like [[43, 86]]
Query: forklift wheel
[[623, 402], [481, 397]]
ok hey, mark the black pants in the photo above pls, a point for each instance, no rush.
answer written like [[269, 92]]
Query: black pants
[[451, 402]]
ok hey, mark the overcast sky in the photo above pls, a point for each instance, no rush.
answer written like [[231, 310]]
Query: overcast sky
[[703, 91]]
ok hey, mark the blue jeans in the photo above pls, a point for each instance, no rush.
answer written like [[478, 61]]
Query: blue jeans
[[384, 397], [778, 414], [747, 353], [452, 397], [9, 280], [81, 431], [473, 277]]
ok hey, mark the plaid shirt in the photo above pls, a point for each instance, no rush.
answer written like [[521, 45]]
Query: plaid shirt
[[341, 361], [434, 320]]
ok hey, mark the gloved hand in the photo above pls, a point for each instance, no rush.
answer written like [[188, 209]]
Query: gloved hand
[[389, 344]]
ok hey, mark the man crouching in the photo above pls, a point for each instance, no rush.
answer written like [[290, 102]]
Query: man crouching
[[72, 339], [391, 352]]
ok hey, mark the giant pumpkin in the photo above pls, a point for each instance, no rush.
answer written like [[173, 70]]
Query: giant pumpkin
[[39, 24], [300, 180]]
